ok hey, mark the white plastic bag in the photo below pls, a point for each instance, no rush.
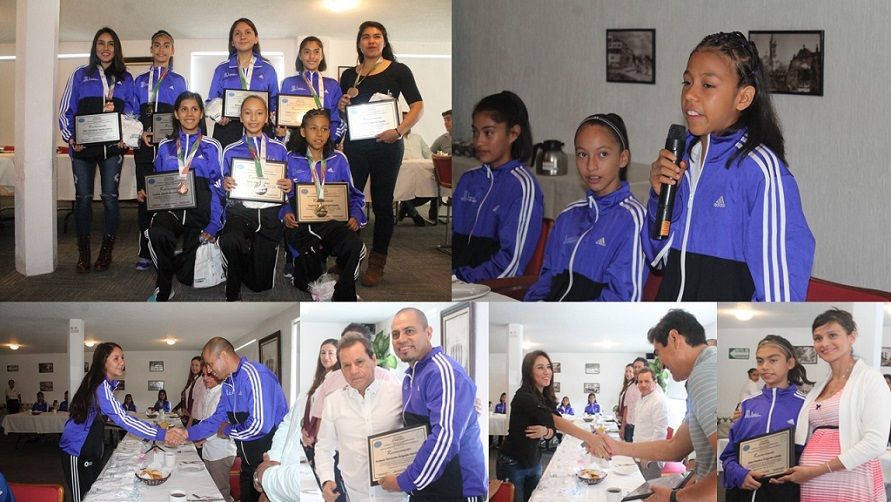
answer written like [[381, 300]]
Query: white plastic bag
[[208, 266], [322, 289], [131, 130], [214, 109]]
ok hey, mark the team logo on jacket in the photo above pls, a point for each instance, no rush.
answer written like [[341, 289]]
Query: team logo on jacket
[[719, 202], [468, 198], [752, 414], [601, 241]]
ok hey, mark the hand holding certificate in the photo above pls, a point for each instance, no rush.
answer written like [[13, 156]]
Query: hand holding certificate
[[291, 109], [251, 186], [334, 206], [232, 99], [771, 454], [168, 191], [367, 120], [97, 128], [391, 452]]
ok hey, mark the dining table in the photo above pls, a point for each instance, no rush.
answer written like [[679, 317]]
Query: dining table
[[51, 422], [498, 423]]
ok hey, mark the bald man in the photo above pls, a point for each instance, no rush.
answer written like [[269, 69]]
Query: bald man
[[438, 393], [250, 408]]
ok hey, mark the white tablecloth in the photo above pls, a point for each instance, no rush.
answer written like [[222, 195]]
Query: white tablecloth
[[26, 423], [498, 424], [118, 482], [7, 173], [65, 179], [415, 180]]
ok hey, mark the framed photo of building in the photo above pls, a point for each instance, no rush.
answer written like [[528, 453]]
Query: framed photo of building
[[556, 387], [805, 354], [270, 353], [631, 56], [156, 366], [592, 387], [555, 367], [457, 334], [592, 368], [44, 367], [46, 386], [793, 60], [156, 385]]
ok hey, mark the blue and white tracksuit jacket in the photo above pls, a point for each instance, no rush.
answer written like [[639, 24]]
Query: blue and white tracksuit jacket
[[207, 166], [171, 87], [275, 151], [594, 251], [592, 409], [264, 78], [253, 404], [738, 234], [450, 464], [497, 222], [332, 94], [76, 438], [84, 94], [770, 411], [337, 170]]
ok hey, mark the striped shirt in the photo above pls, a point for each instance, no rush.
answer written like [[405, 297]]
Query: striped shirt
[[702, 416]]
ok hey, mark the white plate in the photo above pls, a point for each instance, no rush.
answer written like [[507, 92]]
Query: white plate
[[191, 468], [462, 291], [625, 469]]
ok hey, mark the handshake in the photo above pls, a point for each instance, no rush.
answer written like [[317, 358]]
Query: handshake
[[176, 436], [600, 445]]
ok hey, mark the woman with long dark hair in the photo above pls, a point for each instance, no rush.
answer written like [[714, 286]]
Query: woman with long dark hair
[[82, 441], [101, 86], [193, 392], [309, 81], [378, 72], [326, 363]]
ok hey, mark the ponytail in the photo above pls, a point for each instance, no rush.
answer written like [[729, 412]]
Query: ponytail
[[798, 374]]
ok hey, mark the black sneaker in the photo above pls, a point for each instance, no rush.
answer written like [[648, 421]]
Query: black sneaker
[[400, 213], [419, 220]]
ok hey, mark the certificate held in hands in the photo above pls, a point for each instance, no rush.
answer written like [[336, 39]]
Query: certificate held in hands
[[367, 120], [772, 453], [291, 109], [162, 126], [170, 191], [250, 186], [233, 98], [391, 452], [95, 128], [334, 206]]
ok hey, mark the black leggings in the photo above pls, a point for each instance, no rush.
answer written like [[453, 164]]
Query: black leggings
[[381, 162]]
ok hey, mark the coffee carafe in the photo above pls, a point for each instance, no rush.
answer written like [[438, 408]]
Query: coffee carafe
[[548, 158]]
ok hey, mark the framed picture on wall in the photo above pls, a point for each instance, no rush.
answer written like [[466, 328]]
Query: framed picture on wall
[[592, 387], [270, 353], [556, 387], [555, 367], [156, 366], [886, 356], [793, 60], [46, 386], [12, 368], [156, 385], [592, 368], [138, 65], [805, 354], [340, 70], [457, 334], [738, 353], [44, 367], [631, 56], [122, 385]]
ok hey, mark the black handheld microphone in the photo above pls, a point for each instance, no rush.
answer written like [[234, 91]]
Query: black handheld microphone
[[675, 143]]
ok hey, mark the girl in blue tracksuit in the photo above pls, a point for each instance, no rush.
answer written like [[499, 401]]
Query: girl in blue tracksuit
[[498, 206], [738, 232], [83, 441], [310, 82], [775, 409], [245, 69], [593, 407], [102, 86], [565, 407], [249, 240], [594, 251], [162, 404], [313, 161], [156, 92], [187, 151]]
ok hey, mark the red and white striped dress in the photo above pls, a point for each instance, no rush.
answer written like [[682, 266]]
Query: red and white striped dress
[[861, 484]]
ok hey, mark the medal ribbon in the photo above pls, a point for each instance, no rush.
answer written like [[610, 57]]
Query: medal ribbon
[[183, 159], [317, 179], [315, 95], [245, 75], [259, 159], [107, 89], [360, 77], [153, 89]]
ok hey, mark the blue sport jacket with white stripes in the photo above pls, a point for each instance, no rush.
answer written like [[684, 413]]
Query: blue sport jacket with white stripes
[[594, 251], [497, 222], [739, 234], [438, 393], [297, 85], [75, 435]]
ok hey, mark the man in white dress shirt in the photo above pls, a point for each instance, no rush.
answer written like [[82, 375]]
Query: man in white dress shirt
[[217, 452], [364, 407], [652, 419]]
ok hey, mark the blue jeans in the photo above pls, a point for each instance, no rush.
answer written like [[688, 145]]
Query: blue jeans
[[525, 479], [84, 176]]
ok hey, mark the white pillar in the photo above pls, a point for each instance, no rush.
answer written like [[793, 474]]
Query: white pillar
[[514, 359], [37, 42], [75, 355], [869, 317]]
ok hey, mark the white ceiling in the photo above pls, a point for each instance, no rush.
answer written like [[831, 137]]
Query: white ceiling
[[43, 327], [584, 327], [414, 20], [363, 312], [785, 315]]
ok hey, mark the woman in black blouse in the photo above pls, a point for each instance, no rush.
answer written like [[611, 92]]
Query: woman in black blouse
[[532, 418], [378, 157]]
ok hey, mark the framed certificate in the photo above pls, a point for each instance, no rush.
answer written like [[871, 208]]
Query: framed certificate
[[169, 191], [291, 109], [391, 452], [97, 128], [162, 126], [256, 188], [770, 453], [232, 99], [334, 207], [367, 120]]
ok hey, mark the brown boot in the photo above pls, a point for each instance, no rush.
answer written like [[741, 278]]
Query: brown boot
[[375, 271], [83, 254], [104, 259]]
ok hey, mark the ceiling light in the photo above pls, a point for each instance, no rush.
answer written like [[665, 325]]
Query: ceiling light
[[527, 345], [171, 341], [90, 343], [743, 314], [14, 346], [341, 5], [606, 344]]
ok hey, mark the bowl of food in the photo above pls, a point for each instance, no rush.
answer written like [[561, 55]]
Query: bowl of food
[[151, 413], [152, 476], [588, 419], [35, 412], [591, 476]]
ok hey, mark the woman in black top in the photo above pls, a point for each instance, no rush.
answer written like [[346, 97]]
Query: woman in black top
[[532, 418], [378, 157]]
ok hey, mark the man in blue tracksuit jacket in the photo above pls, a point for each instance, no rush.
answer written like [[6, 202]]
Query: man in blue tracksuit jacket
[[773, 410], [251, 407], [738, 232], [438, 393], [594, 251], [497, 222]]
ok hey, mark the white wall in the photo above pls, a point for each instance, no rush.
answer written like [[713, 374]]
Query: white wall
[[552, 54], [281, 322]]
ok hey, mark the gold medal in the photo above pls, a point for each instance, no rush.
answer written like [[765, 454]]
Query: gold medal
[[352, 92], [321, 211]]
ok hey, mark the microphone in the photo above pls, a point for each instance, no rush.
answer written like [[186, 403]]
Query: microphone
[[675, 143]]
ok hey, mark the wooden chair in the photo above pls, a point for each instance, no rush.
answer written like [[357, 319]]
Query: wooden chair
[[516, 287], [235, 479], [28, 492], [442, 171], [505, 493]]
